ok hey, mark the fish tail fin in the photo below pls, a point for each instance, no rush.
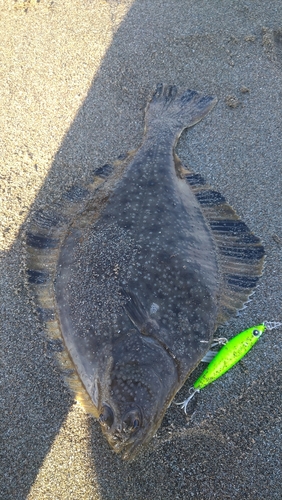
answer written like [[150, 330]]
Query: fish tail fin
[[177, 111]]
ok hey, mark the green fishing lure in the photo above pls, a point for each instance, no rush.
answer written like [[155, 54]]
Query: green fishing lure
[[232, 351]]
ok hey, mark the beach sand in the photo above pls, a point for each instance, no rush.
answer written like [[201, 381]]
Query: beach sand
[[75, 79]]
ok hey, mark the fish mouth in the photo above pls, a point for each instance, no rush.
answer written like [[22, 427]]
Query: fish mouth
[[130, 446], [127, 447]]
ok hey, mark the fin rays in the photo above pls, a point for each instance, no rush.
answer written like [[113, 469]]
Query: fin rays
[[241, 253]]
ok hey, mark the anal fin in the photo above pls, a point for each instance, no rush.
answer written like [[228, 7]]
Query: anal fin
[[240, 252]]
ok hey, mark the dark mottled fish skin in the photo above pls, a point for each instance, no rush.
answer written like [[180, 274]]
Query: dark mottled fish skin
[[140, 287], [136, 333]]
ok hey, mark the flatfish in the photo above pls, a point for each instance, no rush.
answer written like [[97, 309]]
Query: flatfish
[[133, 273]]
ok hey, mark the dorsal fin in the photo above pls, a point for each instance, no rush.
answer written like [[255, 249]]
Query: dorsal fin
[[46, 231], [240, 252]]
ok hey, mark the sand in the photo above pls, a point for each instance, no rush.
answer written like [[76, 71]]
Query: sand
[[75, 79]]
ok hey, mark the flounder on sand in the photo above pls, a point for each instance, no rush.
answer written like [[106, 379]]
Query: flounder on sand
[[133, 274]]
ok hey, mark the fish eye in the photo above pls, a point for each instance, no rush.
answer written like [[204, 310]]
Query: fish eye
[[106, 416], [136, 424], [256, 333], [132, 420]]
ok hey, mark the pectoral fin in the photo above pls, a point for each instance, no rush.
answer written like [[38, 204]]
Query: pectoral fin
[[135, 309], [137, 313]]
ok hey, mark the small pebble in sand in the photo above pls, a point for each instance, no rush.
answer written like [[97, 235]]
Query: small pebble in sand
[[277, 239], [250, 38], [232, 101]]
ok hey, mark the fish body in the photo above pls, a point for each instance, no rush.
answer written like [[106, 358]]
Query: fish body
[[142, 276]]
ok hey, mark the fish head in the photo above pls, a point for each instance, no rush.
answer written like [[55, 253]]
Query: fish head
[[140, 383]]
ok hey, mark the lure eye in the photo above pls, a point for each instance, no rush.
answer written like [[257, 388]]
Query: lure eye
[[256, 333], [106, 417]]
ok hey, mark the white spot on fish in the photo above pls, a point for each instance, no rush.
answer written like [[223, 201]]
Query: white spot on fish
[[154, 308]]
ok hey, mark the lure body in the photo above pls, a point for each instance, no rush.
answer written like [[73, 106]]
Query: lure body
[[234, 350]]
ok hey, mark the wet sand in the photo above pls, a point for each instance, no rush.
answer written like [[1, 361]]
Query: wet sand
[[75, 79]]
